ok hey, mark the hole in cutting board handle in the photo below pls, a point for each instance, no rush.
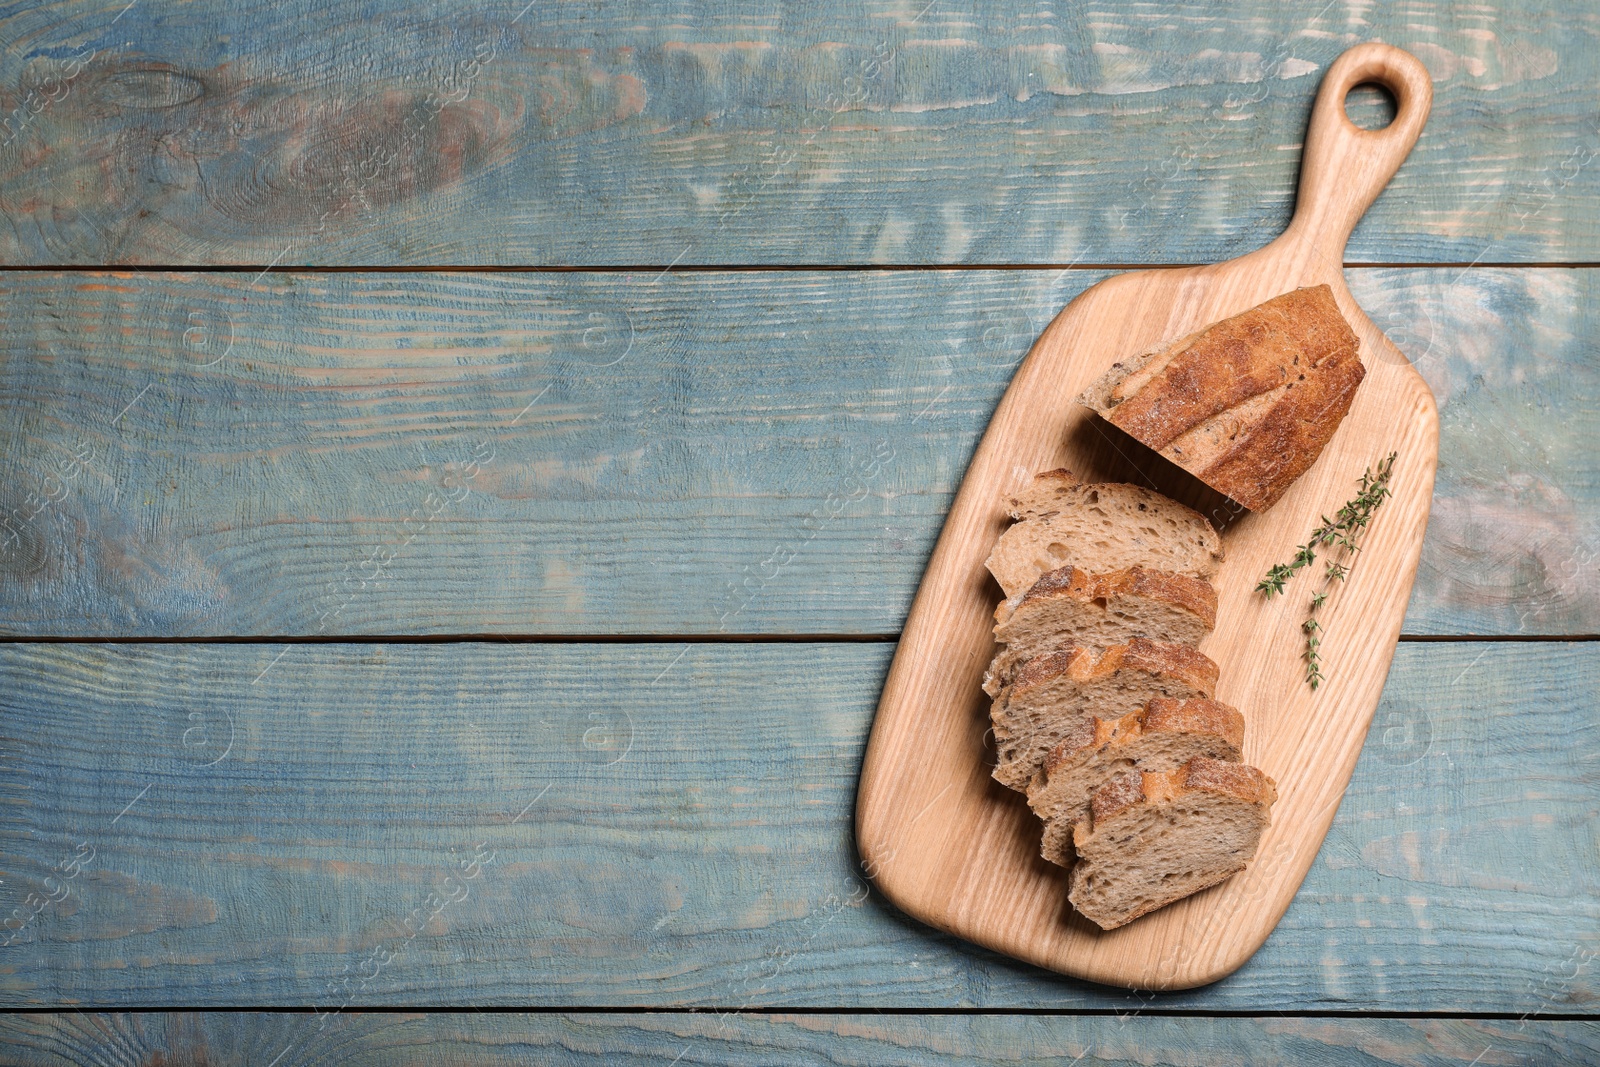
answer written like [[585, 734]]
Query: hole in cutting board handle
[[1344, 167], [1377, 84], [1371, 106]]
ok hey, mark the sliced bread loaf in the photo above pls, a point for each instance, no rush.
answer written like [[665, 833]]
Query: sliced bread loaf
[[1151, 839], [1099, 527], [1070, 606], [1051, 694], [1246, 404], [1161, 737]]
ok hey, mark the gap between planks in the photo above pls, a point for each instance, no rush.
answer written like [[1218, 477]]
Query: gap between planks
[[778, 1009], [731, 268], [649, 639]]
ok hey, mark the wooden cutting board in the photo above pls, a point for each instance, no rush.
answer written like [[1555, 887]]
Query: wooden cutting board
[[955, 849]]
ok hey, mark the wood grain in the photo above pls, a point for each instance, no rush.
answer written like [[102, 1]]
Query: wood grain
[[444, 133], [760, 1038], [233, 455], [295, 818], [950, 846], [781, 447]]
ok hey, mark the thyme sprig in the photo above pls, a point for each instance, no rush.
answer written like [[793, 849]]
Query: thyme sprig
[[1343, 531], [1313, 658]]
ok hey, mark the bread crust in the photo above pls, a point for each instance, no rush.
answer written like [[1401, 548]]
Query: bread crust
[[1053, 491], [1200, 775], [1188, 665], [1054, 510], [1162, 715], [1288, 439], [1238, 780], [1121, 793], [1165, 668], [1246, 404], [1076, 663], [1198, 715], [1082, 664], [1158, 657], [1195, 595], [1036, 499], [1128, 793], [1104, 608], [1088, 734], [1097, 750]]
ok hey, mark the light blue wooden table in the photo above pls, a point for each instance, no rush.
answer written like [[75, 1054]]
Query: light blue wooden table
[[404, 408]]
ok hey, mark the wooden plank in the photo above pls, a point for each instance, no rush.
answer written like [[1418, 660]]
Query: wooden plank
[[450, 134], [739, 452], [630, 825], [760, 1038]]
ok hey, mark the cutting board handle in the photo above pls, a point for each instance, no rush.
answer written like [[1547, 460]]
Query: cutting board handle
[[1345, 167]]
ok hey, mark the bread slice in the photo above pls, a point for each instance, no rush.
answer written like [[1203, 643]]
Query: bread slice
[[1246, 404], [1051, 694], [1161, 737], [1070, 606], [1151, 839], [1100, 527]]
